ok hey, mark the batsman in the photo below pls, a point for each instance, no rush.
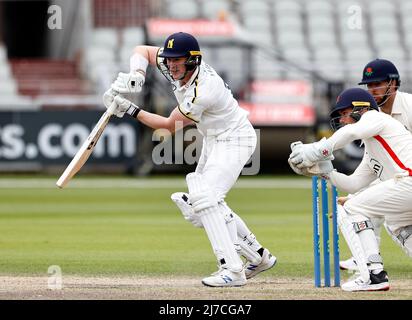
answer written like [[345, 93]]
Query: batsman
[[229, 140], [388, 157]]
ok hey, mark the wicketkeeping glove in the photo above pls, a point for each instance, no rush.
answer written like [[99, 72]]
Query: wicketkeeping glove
[[306, 155], [321, 168]]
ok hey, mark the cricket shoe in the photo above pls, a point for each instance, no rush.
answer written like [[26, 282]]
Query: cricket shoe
[[377, 282], [349, 265], [226, 278], [268, 261]]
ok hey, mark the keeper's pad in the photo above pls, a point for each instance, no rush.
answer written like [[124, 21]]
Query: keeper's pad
[[214, 223], [404, 239], [365, 231], [352, 239]]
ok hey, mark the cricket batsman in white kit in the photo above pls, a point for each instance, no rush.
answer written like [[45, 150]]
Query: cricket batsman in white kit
[[229, 140], [388, 156]]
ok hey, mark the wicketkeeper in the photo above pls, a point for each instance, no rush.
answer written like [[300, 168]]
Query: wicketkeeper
[[382, 79], [388, 156], [229, 140]]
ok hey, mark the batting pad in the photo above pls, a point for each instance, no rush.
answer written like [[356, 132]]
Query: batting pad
[[247, 251], [352, 239], [215, 226]]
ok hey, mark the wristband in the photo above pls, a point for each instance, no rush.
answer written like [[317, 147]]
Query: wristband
[[133, 111]]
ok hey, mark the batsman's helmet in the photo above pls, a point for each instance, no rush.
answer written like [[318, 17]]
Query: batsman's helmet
[[182, 44], [380, 70], [358, 99]]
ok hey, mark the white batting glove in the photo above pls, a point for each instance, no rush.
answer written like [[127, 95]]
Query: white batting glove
[[128, 82], [306, 155], [108, 97], [123, 105]]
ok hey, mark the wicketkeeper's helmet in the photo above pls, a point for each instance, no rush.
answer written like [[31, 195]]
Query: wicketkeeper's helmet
[[358, 99], [380, 70]]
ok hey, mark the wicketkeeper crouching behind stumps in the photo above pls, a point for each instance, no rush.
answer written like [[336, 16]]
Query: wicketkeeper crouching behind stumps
[[387, 156]]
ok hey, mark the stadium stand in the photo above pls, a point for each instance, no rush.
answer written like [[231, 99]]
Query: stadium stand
[[319, 37], [323, 42]]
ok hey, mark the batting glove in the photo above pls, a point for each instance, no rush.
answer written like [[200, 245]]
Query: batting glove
[[129, 82], [125, 106]]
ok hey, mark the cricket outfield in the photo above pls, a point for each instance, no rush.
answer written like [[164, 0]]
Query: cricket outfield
[[123, 238]]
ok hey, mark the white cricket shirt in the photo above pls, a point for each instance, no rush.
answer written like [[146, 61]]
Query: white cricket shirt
[[402, 109], [388, 150], [207, 100]]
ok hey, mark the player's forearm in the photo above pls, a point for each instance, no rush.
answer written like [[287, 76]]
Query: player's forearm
[[367, 127], [342, 137], [155, 121]]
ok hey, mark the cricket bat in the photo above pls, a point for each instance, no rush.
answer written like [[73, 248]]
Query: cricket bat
[[86, 149]]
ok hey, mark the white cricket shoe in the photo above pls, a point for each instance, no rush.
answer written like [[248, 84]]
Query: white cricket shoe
[[349, 264], [268, 261], [377, 282], [226, 278]]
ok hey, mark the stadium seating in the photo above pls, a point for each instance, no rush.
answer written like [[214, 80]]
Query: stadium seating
[[333, 39], [48, 77]]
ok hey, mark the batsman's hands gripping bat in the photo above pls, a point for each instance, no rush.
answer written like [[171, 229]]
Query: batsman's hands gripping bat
[[123, 105], [87, 147]]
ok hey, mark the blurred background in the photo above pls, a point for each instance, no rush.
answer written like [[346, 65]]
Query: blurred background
[[284, 60]]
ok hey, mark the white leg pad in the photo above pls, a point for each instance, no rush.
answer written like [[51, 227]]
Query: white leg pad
[[245, 241], [230, 221], [215, 226], [406, 245], [352, 239], [367, 236], [247, 251]]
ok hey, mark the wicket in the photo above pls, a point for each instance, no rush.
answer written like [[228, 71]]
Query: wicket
[[325, 231]]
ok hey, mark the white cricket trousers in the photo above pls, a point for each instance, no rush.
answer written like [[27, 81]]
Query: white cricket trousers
[[223, 158], [391, 199]]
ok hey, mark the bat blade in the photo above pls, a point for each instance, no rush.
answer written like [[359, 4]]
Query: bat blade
[[84, 152]]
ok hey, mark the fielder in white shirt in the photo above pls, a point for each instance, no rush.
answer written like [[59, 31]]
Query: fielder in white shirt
[[382, 79], [388, 156], [229, 140]]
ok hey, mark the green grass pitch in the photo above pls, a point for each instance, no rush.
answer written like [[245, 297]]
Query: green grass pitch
[[88, 230]]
